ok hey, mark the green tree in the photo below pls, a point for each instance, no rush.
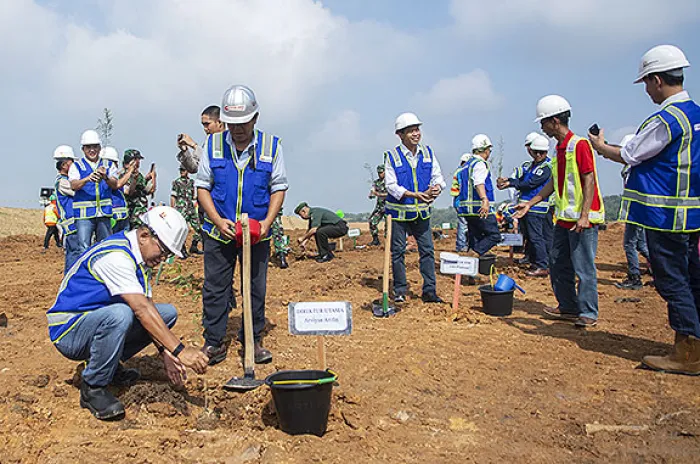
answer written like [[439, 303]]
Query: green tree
[[105, 126]]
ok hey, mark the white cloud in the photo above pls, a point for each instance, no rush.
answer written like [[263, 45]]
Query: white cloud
[[454, 95], [621, 20], [342, 132]]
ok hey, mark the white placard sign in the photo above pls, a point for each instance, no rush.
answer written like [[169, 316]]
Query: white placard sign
[[511, 240], [354, 233], [446, 226], [320, 318], [452, 263]]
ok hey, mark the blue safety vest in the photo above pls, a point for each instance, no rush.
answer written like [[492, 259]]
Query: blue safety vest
[[412, 179], [119, 210], [82, 291], [240, 190], [65, 209], [95, 198], [528, 170], [663, 192], [468, 202]]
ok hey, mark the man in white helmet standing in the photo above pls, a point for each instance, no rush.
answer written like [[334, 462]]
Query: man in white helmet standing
[[120, 212], [104, 313], [537, 224], [472, 188], [92, 179], [579, 211], [64, 156], [241, 171], [413, 182], [662, 194]]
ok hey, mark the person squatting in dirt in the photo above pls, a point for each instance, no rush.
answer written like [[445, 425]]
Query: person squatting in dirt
[[241, 171], [323, 224], [104, 313]]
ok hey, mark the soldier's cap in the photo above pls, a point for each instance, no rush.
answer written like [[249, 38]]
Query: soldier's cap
[[380, 168], [131, 154], [182, 168], [300, 206]]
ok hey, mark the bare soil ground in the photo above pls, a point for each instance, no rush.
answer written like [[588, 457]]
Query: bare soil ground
[[426, 386]]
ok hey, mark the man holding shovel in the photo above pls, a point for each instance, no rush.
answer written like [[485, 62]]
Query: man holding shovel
[[413, 181], [241, 171]]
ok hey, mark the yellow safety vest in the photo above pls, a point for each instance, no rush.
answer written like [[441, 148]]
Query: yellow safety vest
[[569, 202]]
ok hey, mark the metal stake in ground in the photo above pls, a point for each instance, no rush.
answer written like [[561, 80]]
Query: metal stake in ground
[[383, 309], [248, 381]]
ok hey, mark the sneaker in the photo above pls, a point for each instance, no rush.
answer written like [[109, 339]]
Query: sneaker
[[216, 354], [556, 313], [537, 273], [400, 299], [262, 355], [431, 298], [125, 377], [632, 282], [100, 402], [585, 322]]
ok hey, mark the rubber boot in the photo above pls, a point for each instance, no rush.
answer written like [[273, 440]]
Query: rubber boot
[[101, 403], [684, 358], [194, 250], [283, 260]]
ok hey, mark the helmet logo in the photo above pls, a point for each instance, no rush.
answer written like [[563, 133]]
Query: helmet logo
[[234, 107]]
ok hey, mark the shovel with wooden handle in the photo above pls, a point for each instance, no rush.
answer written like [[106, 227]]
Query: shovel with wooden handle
[[383, 308], [248, 381]]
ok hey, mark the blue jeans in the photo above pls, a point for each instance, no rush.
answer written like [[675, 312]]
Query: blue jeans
[[539, 232], [572, 256], [105, 336], [70, 247], [100, 226], [483, 233], [634, 242], [462, 232], [676, 266], [420, 229]]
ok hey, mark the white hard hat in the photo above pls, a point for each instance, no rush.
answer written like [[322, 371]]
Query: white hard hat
[[662, 58], [540, 143], [64, 152], [530, 137], [551, 105], [465, 157], [405, 120], [626, 139], [110, 154], [239, 105], [90, 137], [169, 225], [481, 142]]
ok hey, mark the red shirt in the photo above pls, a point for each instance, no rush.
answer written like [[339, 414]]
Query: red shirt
[[584, 159]]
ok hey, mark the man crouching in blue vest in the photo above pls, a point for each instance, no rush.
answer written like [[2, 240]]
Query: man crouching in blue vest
[[241, 171], [104, 313], [662, 195], [413, 181]]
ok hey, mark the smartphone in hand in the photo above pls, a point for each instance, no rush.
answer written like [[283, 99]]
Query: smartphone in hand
[[594, 129]]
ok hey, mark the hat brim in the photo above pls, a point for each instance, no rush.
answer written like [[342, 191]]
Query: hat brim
[[237, 120]]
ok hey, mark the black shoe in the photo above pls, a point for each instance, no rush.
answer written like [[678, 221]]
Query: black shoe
[[194, 250], [431, 298], [125, 377], [184, 252], [101, 403], [325, 258], [522, 261], [375, 242], [283, 260], [400, 299], [262, 355], [216, 354], [632, 282]]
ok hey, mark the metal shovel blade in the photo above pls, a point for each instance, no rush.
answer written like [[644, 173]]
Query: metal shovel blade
[[378, 309], [243, 384]]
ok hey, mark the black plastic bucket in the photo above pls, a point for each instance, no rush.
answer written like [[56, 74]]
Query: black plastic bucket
[[496, 303], [485, 263], [302, 408]]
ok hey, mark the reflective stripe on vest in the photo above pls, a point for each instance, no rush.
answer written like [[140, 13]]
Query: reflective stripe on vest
[[527, 170], [568, 204], [663, 192], [468, 203], [65, 209], [409, 209], [95, 198]]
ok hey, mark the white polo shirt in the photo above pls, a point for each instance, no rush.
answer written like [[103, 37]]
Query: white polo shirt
[[118, 271]]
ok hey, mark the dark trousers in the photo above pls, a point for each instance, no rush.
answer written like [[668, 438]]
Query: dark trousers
[[217, 292], [323, 233], [420, 229], [51, 231], [676, 267], [483, 233], [539, 232]]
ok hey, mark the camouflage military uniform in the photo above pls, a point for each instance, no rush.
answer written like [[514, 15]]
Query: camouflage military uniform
[[378, 214], [137, 199], [278, 235], [183, 192]]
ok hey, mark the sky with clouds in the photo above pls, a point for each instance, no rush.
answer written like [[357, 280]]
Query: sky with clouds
[[330, 76]]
